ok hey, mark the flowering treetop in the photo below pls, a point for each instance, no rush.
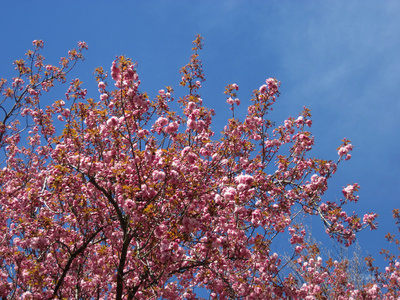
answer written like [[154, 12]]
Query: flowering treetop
[[133, 200]]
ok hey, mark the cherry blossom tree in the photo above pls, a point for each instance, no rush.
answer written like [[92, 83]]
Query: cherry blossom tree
[[124, 196]]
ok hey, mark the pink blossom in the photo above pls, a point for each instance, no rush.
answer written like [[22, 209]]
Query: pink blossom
[[32, 92], [115, 72], [348, 190], [162, 121], [271, 82], [342, 151], [129, 75], [192, 125], [131, 92], [160, 230], [300, 120], [158, 175], [368, 218], [263, 89], [130, 204], [245, 179], [102, 85], [172, 127], [142, 133], [103, 97], [112, 122], [229, 193], [38, 43], [27, 295], [230, 101], [314, 178], [345, 149], [191, 105], [191, 157]]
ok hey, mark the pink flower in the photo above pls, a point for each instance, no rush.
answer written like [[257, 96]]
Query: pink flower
[[161, 121], [368, 218], [142, 133], [192, 125], [103, 97], [191, 105], [115, 72], [342, 151], [300, 120], [349, 190], [323, 206], [32, 92], [191, 157], [345, 149], [102, 85], [229, 193], [129, 75], [245, 179], [130, 204], [131, 92], [172, 127], [27, 295], [38, 43], [271, 83], [160, 230], [83, 45], [112, 122], [235, 86], [158, 175]]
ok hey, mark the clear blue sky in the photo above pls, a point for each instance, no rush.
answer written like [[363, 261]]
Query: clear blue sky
[[339, 58]]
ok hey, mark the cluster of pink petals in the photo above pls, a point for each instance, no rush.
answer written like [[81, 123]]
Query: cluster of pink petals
[[345, 151], [115, 72], [233, 101], [102, 85]]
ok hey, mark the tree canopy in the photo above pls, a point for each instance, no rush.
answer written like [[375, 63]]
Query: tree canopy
[[133, 199]]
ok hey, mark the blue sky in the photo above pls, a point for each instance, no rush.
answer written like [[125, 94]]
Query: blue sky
[[339, 58]]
